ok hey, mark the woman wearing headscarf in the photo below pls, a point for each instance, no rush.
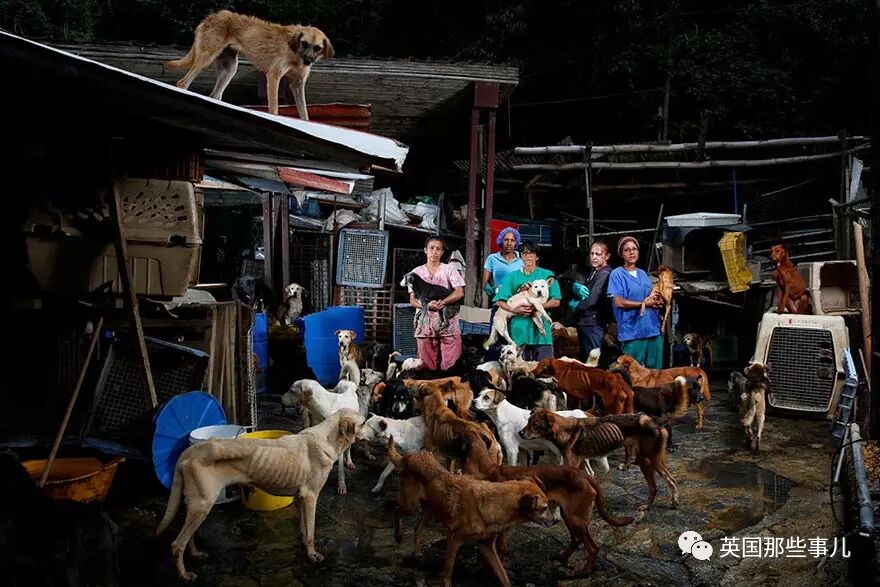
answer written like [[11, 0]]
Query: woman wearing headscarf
[[501, 264], [590, 303], [629, 287]]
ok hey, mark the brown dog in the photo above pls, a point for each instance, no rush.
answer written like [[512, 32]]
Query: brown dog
[[274, 49], [644, 377], [573, 489], [697, 345], [297, 465], [792, 289], [580, 439], [584, 382], [443, 426], [664, 288], [452, 388], [468, 509]]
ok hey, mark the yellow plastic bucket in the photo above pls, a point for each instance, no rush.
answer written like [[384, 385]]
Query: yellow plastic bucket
[[255, 498]]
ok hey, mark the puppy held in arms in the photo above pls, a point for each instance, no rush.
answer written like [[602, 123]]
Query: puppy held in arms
[[428, 292], [535, 294], [276, 50]]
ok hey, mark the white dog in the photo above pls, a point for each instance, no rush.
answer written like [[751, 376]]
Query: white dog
[[535, 293], [511, 361], [317, 404], [496, 373], [291, 307], [510, 419], [409, 436]]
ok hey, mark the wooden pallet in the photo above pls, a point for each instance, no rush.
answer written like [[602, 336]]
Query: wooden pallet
[[376, 303]]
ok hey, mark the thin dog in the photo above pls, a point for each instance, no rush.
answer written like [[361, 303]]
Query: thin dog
[[296, 465], [274, 49]]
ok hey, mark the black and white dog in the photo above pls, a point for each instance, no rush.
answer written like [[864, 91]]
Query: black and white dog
[[428, 292]]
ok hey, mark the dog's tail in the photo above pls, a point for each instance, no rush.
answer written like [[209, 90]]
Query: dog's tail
[[600, 505], [393, 455], [680, 396], [173, 501], [184, 62]]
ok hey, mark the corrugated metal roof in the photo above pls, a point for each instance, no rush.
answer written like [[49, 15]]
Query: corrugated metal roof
[[34, 69]]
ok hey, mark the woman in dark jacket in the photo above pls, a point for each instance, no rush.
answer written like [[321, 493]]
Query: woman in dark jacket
[[590, 304]]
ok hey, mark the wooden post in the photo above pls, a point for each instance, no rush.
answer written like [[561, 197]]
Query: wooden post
[[267, 240], [490, 188], [653, 250], [128, 291], [284, 229], [864, 293], [64, 421], [588, 181], [470, 245]]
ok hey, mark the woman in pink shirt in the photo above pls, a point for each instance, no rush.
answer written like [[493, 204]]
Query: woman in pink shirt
[[429, 340]]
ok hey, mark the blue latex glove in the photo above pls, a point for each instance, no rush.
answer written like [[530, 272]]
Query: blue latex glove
[[490, 291], [573, 304], [580, 290]]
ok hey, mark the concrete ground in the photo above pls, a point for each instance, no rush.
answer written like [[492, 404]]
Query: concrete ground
[[724, 492]]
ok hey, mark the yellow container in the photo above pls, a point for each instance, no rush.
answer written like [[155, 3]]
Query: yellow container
[[81, 479], [255, 498], [732, 246]]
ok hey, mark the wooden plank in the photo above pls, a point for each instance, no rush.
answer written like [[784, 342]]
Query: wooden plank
[[128, 291], [660, 148]]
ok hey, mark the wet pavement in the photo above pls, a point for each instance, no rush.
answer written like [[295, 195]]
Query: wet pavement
[[724, 491]]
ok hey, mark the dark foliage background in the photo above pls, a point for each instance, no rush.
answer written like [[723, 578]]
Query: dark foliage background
[[594, 69]]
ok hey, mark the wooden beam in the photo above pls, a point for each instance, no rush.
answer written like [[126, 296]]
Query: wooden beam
[[128, 291], [284, 229], [267, 240], [655, 148], [618, 166]]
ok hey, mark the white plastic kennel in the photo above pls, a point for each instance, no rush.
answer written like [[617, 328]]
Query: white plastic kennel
[[806, 359]]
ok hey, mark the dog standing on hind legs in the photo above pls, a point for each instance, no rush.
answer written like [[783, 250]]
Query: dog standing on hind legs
[[274, 49]]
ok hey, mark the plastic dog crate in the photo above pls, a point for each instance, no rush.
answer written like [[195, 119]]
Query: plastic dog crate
[[362, 258], [806, 359], [404, 340]]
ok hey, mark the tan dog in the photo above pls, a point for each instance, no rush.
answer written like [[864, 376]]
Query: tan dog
[[792, 288], [274, 49], [664, 288], [292, 306], [296, 465], [753, 404], [350, 356], [643, 377], [469, 510]]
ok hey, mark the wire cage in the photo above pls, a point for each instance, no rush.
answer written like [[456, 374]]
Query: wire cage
[[120, 418], [310, 266], [362, 258], [376, 303], [404, 340]]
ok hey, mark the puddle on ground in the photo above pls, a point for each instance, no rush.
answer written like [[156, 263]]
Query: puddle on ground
[[764, 492]]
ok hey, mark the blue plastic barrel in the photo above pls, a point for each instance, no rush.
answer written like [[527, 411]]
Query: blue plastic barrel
[[322, 346], [261, 348]]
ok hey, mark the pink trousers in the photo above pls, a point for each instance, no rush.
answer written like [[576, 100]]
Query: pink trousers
[[450, 351]]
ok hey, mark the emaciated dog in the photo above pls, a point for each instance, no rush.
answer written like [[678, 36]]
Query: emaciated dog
[[296, 465], [792, 288], [584, 382], [469, 510]]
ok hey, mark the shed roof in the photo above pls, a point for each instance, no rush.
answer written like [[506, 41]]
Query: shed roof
[[88, 88], [402, 93]]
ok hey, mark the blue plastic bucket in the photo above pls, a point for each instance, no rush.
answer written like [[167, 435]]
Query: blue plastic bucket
[[322, 346], [261, 348]]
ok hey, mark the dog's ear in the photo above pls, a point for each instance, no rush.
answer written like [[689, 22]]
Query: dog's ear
[[347, 429], [336, 334], [550, 281], [328, 49], [294, 41], [383, 425], [354, 335]]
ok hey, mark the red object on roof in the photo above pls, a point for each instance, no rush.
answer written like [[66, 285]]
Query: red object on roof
[[356, 116], [311, 180]]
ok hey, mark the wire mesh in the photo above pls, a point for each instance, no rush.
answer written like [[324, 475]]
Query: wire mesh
[[362, 258], [121, 400], [802, 369]]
